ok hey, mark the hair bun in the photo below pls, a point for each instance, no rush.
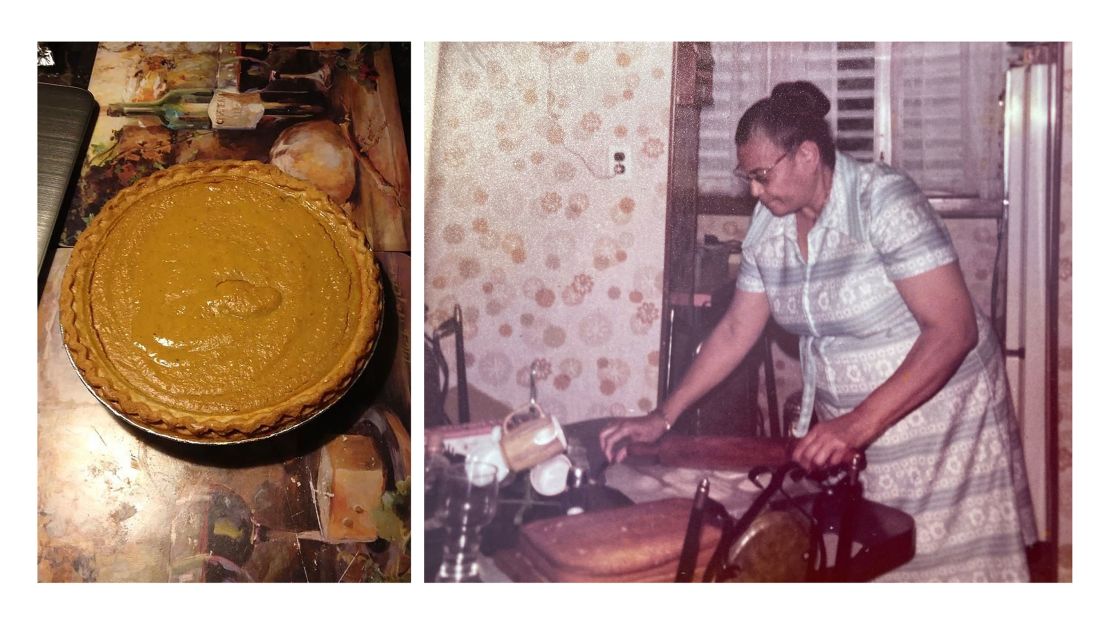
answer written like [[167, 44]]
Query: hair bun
[[801, 99]]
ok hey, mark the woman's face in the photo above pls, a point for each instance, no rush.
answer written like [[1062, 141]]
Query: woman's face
[[783, 180]]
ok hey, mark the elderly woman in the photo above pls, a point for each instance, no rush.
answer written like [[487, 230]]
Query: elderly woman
[[896, 360]]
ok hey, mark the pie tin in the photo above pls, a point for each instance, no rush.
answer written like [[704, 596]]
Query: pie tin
[[171, 435]]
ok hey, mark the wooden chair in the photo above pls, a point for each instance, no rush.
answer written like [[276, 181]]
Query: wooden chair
[[439, 376]]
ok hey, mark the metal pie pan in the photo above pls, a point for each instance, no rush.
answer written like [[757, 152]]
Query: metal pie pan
[[170, 434]]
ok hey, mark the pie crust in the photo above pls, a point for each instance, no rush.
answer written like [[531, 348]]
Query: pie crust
[[220, 300]]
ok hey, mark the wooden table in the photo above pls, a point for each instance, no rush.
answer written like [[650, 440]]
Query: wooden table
[[670, 468]]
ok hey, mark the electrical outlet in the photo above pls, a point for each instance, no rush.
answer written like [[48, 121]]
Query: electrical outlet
[[620, 160]]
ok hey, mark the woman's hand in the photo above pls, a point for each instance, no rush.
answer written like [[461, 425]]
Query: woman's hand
[[720, 353], [834, 442], [647, 428]]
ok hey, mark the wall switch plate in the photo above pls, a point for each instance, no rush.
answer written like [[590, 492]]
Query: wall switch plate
[[620, 160]]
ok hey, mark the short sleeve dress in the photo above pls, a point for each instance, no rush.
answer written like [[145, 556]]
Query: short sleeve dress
[[955, 464]]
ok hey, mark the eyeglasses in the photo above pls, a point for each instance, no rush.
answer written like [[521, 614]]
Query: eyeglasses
[[759, 175]]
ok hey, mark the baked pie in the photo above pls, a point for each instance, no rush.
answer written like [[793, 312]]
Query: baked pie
[[220, 300]]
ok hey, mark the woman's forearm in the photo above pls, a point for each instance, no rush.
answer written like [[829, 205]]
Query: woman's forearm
[[942, 307], [940, 304], [930, 363], [721, 352]]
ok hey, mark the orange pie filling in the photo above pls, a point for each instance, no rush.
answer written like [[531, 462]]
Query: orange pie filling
[[221, 300]]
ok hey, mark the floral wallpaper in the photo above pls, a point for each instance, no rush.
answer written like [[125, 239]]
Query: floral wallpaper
[[551, 256]]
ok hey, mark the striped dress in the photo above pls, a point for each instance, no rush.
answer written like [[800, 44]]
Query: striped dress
[[955, 464]]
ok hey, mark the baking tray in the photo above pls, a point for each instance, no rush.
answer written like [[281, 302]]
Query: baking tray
[[171, 435], [65, 115]]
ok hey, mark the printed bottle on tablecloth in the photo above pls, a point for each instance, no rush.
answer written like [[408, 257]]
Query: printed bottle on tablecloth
[[204, 109]]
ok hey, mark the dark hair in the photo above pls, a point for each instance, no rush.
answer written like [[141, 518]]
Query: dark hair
[[794, 113]]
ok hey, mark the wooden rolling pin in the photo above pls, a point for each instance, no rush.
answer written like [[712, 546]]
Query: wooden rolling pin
[[713, 452]]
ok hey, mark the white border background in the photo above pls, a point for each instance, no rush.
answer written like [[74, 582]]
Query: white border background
[[420, 22]]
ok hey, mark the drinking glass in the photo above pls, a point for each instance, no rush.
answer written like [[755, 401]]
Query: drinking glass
[[468, 501]]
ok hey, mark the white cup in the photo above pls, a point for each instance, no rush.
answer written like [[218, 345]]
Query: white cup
[[549, 477]]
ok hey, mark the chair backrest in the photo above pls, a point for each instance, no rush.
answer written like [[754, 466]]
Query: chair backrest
[[784, 540], [436, 370], [435, 383], [462, 390], [774, 426]]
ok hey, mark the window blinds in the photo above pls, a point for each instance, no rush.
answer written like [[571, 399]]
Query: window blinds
[[946, 117], [854, 119], [945, 125]]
